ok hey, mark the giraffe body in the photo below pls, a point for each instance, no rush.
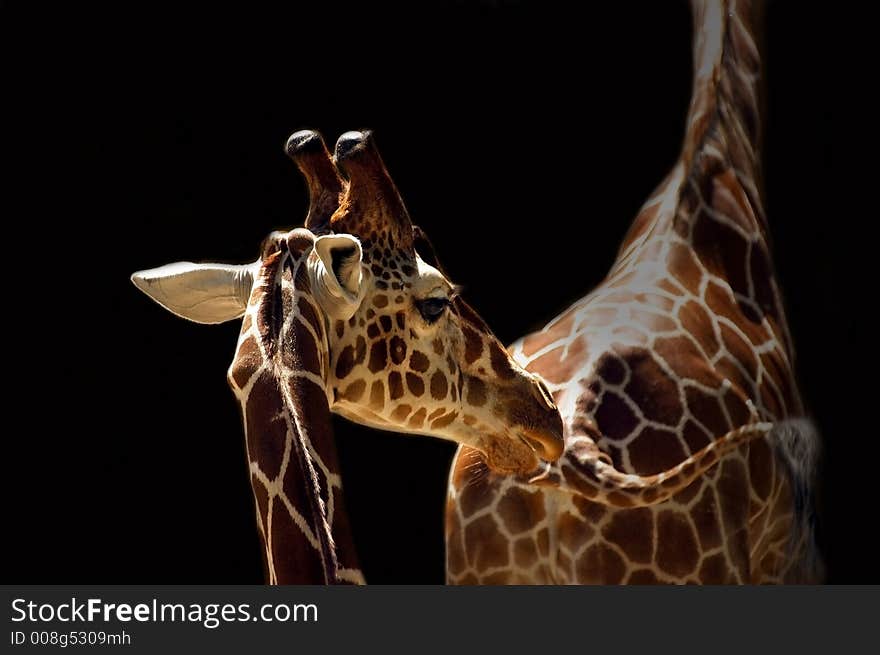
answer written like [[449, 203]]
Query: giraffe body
[[688, 457]]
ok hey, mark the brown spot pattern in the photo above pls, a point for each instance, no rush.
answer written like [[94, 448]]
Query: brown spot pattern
[[652, 389], [439, 386], [418, 361], [355, 391], [247, 361], [415, 384], [395, 385], [694, 437], [643, 576], [417, 420], [455, 560], [655, 450], [697, 322], [500, 362], [525, 552], [733, 493], [707, 410], [473, 345], [556, 368], [521, 510], [487, 547], [611, 369], [632, 531], [378, 356], [400, 413], [677, 552], [572, 531], [266, 429], [683, 267], [601, 564], [377, 395], [682, 356], [443, 421], [714, 570], [614, 418], [345, 362]]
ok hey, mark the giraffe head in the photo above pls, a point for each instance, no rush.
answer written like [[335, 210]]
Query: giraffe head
[[404, 352]]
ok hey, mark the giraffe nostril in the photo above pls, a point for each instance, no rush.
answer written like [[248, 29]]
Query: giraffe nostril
[[548, 445]]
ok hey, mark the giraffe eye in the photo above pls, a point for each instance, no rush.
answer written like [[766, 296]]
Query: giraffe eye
[[432, 308]]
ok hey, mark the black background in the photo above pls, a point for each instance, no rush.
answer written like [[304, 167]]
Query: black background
[[155, 134]]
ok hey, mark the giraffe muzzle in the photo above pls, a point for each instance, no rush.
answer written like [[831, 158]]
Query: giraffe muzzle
[[547, 444], [543, 430]]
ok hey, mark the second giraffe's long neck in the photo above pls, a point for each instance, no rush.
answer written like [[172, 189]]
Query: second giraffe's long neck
[[293, 460], [717, 175], [725, 104]]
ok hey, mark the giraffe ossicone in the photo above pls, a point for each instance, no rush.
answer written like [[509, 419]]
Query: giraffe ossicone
[[345, 315]]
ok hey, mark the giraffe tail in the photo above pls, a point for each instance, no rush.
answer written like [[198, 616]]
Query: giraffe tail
[[588, 473], [797, 445]]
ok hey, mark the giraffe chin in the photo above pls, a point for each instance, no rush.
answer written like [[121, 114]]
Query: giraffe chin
[[511, 455]]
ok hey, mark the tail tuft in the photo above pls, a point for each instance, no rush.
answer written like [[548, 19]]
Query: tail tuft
[[798, 446]]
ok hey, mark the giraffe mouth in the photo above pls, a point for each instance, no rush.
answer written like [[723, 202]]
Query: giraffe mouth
[[520, 452], [547, 446]]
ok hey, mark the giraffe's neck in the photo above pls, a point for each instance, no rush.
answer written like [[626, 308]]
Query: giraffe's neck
[[707, 219], [725, 103], [720, 155], [293, 462]]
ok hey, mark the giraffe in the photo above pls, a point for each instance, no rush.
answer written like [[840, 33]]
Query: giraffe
[[347, 315], [688, 456]]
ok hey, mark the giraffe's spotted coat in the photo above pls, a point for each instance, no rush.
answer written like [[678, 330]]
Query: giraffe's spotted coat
[[683, 343]]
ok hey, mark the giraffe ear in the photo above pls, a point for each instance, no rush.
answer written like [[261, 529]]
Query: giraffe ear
[[204, 293], [337, 274]]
